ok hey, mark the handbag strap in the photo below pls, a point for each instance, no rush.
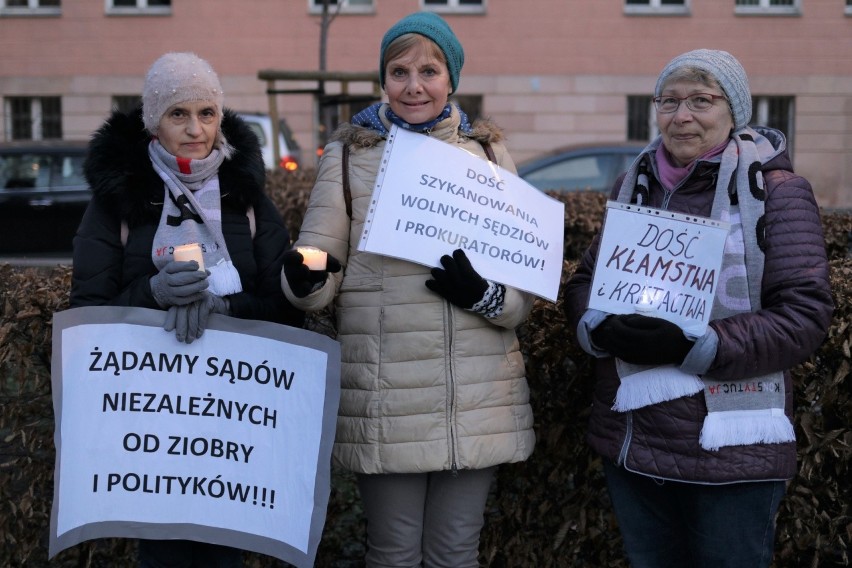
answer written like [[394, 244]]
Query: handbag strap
[[347, 192]]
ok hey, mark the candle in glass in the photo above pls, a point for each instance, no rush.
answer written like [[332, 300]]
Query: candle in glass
[[191, 251], [314, 258], [645, 304]]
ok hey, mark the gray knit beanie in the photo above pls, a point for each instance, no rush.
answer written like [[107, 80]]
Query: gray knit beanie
[[434, 27], [726, 70], [176, 78]]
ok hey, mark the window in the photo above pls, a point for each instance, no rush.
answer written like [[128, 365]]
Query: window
[[849, 7], [139, 7], [346, 6], [126, 103], [775, 112], [640, 118], [30, 8], [768, 7], [457, 6], [657, 7], [33, 118]]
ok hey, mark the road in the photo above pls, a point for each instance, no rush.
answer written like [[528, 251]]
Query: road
[[39, 260]]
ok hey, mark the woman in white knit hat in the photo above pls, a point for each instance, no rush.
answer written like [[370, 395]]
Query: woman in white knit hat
[[182, 169], [696, 432]]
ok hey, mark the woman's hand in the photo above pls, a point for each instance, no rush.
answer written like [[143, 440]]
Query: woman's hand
[[190, 320], [303, 280], [178, 283], [642, 340], [458, 282]]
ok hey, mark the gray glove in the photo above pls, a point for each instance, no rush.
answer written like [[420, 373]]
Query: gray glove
[[189, 321], [178, 283]]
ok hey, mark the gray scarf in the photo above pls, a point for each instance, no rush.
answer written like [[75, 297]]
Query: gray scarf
[[740, 411], [192, 213]]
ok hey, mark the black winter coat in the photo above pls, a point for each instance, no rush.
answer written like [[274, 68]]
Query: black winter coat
[[126, 189]]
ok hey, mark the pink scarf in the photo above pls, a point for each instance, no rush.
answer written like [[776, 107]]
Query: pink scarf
[[671, 175]]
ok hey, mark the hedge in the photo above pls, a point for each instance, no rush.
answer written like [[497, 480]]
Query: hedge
[[549, 511]]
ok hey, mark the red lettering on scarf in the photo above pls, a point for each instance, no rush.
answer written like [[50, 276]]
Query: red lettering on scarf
[[183, 165]]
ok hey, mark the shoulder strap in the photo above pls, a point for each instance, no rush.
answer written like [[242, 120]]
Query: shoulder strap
[[489, 151], [347, 192]]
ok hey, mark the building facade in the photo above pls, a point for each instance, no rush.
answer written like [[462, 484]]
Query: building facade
[[550, 72]]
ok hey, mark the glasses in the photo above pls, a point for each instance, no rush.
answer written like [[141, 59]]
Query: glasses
[[697, 102]]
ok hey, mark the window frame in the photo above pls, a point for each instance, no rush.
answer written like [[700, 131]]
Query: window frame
[[656, 8], [453, 7], [765, 8], [141, 9], [315, 7], [760, 116], [37, 118], [33, 8]]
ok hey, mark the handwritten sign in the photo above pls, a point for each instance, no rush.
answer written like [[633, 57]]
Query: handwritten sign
[[657, 262], [431, 198], [226, 440]]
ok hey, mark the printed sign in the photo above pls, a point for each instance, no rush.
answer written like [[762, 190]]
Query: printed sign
[[226, 440], [660, 263], [431, 198]]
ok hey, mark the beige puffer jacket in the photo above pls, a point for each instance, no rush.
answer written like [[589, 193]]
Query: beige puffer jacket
[[426, 386]]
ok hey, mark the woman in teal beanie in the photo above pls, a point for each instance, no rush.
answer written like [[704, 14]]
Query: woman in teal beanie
[[433, 389]]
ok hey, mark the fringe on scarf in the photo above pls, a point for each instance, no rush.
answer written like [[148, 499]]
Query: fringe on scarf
[[746, 427], [653, 385]]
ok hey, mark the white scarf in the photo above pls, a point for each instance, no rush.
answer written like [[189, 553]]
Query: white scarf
[[192, 213], [740, 411]]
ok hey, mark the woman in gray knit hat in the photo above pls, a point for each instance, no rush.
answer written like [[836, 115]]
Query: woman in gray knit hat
[[696, 432], [180, 169], [433, 390]]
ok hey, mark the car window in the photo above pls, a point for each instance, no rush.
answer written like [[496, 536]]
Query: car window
[[285, 131], [258, 131], [582, 173], [69, 171], [24, 171]]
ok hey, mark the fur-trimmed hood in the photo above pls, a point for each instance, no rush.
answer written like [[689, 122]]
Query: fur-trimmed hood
[[484, 131], [119, 170]]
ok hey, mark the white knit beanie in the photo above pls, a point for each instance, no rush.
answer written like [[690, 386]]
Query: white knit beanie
[[176, 78], [725, 68]]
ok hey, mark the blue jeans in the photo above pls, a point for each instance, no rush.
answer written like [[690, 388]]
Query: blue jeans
[[669, 524], [187, 554]]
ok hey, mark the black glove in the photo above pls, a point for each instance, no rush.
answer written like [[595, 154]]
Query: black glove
[[178, 283], [301, 279], [458, 282], [642, 340], [189, 321]]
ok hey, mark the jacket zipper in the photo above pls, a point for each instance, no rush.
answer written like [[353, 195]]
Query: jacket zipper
[[451, 391], [628, 435]]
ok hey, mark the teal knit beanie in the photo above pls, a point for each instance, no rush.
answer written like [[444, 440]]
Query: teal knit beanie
[[434, 27], [725, 68]]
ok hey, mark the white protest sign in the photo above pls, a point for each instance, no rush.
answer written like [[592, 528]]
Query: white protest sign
[[660, 263], [431, 198], [225, 440]]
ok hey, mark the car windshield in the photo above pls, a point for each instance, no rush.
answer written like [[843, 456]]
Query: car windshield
[[578, 174], [32, 170]]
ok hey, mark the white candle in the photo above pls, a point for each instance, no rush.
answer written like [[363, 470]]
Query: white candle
[[192, 251], [645, 304], [314, 258]]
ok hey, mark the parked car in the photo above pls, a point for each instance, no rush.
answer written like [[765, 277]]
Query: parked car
[[580, 168], [290, 154], [43, 195]]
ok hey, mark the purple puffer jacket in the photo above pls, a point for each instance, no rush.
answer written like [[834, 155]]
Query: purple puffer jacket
[[662, 440]]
